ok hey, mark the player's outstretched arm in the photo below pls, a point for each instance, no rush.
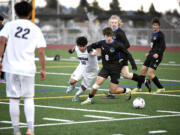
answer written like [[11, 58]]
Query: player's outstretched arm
[[42, 63], [72, 50], [2, 46]]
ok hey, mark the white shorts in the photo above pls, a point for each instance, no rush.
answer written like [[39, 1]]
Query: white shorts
[[19, 86], [88, 79], [78, 73]]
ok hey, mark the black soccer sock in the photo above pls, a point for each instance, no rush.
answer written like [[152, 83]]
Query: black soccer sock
[[135, 77], [91, 96], [124, 90], [141, 81], [157, 83]]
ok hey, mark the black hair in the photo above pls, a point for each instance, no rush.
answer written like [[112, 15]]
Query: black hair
[[1, 18], [156, 20], [81, 41], [23, 9], [107, 31]]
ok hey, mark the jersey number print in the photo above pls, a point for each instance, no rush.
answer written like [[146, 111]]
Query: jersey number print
[[22, 33]]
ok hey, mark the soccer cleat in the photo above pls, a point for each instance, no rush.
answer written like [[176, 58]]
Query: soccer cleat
[[136, 90], [75, 99], [29, 132], [160, 91], [87, 101], [148, 84], [69, 89], [128, 93], [109, 95], [18, 133]]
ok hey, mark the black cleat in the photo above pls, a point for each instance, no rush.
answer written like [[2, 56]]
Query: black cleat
[[109, 96], [148, 84]]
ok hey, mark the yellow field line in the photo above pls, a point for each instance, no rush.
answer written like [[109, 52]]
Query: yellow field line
[[60, 97]]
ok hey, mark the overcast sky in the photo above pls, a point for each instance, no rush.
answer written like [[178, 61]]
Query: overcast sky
[[160, 5]]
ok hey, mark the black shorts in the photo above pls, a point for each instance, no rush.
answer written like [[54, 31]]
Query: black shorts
[[113, 72], [152, 62], [125, 63]]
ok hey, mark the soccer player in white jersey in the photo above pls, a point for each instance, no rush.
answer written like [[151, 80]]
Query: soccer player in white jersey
[[86, 70], [22, 37]]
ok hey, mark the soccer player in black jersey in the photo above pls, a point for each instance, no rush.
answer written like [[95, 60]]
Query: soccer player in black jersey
[[119, 35], [113, 55], [154, 57]]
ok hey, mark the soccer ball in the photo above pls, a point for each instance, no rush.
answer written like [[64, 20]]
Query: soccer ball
[[138, 103]]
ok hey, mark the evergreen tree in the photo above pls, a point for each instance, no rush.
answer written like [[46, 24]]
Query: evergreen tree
[[114, 5], [152, 9], [83, 3], [52, 4]]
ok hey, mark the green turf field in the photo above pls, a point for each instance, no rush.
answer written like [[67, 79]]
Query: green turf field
[[56, 114]]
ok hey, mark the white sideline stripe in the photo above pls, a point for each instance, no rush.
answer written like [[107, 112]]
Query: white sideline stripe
[[60, 120], [9, 122], [67, 74], [84, 110], [99, 117], [96, 121], [60, 86], [162, 64], [166, 80], [173, 112], [137, 62], [169, 95], [157, 131], [53, 73]]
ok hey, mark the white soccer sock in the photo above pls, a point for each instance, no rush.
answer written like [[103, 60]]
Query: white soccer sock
[[128, 90], [79, 92], [29, 112], [14, 113]]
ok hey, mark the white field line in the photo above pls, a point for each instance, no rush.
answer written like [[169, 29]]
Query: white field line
[[137, 62], [59, 86], [83, 110], [60, 120], [54, 73], [67, 74], [157, 131], [172, 112], [9, 122], [162, 64], [99, 117], [168, 95], [96, 121]]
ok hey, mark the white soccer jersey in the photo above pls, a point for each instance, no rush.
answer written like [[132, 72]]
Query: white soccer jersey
[[23, 38], [88, 62]]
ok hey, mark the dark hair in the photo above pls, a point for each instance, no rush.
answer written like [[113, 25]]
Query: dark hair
[[107, 31], [1, 18], [156, 20], [81, 41], [23, 9]]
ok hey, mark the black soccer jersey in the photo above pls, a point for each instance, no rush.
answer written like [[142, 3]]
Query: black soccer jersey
[[158, 44], [112, 53], [120, 36]]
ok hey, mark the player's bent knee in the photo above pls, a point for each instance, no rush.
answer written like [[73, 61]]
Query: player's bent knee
[[95, 86]]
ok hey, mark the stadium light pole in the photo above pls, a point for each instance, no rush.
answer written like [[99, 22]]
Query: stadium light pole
[[33, 11]]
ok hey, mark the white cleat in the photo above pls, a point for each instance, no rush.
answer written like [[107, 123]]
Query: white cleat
[[86, 102], [75, 98], [69, 89]]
